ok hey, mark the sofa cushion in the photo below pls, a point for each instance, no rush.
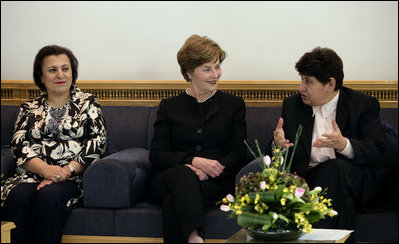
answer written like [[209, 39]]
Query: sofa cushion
[[390, 116], [148, 222], [126, 125], [261, 122], [87, 221], [8, 166]]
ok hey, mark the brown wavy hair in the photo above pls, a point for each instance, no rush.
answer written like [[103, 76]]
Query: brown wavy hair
[[197, 51]]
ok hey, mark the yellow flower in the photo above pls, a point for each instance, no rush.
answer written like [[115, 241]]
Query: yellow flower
[[282, 201], [257, 197]]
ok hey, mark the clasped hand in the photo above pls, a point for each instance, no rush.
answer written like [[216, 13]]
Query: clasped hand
[[54, 173], [204, 167]]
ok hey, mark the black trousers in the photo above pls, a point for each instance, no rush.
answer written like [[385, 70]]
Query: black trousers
[[39, 216], [185, 200], [345, 186]]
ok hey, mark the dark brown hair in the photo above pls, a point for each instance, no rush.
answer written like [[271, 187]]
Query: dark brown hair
[[322, 63], [197, 51], [48, 51]]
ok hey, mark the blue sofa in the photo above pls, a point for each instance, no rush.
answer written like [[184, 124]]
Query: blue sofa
[[115, 187]]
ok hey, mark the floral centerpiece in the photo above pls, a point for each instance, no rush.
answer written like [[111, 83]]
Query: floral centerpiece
[[275, 199]]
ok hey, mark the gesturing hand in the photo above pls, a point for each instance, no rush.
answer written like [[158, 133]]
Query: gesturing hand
[[279, 136], [335, 139], [209, 166]]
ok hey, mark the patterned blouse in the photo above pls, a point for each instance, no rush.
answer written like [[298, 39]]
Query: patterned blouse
[[74, 132]]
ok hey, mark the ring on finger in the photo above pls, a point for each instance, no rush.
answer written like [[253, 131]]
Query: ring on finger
[[206, 176], [59, 178]]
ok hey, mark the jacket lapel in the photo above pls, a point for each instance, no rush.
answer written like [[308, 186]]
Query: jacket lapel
[[342, 113], [307, 121]]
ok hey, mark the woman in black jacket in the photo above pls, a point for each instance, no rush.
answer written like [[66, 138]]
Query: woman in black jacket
[[198, 147]]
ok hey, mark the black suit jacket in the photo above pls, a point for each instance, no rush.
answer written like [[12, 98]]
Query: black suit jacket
[[358, 119], [182, 131]]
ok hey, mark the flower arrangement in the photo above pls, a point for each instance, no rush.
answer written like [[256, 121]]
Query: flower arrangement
[[275, 199]]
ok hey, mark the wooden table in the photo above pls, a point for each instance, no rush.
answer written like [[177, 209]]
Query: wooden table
[[242, 237], [6, 228], [120, 239]]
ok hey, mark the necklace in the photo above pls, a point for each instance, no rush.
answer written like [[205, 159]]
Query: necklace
[[213, 93]]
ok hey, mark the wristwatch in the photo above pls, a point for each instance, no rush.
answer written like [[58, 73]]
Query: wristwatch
[[71, 169]]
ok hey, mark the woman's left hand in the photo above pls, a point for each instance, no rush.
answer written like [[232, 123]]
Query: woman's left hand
[[201, 175]]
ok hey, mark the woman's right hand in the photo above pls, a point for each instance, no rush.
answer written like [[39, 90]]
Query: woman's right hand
[[209, 166], [279, 136]]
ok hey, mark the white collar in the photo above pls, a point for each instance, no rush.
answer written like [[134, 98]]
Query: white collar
[[327, 108]]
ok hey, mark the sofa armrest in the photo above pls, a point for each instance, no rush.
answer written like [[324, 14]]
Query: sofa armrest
[[8, 166], [118, 180]]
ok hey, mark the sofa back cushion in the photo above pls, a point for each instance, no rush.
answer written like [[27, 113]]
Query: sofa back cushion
[[127, 125], [390, 116], [9, 114], [261, 122]]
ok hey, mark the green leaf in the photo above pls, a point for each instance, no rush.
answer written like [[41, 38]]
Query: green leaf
[[278, 192], [280, 216], [297, 136], [267, 196], [249, 148], [250, 219], [265, 227]]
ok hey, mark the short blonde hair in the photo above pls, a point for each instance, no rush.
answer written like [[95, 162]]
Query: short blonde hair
[[197, 51]]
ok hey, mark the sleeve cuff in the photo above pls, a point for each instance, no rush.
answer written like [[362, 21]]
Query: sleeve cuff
[[348, 150]]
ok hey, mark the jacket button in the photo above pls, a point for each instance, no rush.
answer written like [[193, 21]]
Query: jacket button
[[199, 131], [198, 148]]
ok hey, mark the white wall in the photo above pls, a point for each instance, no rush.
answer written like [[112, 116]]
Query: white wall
[[139, 40]]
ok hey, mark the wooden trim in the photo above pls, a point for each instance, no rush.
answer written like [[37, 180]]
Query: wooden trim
[[120, 239], [150, 92]]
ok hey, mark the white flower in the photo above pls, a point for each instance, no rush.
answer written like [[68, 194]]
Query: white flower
[[230, 198], [263, 185], [79, 133], [58, 152], [332, 212], [74, 147], [267, 160], [225, 208], [36, 133], [67, 126], [93, 113], [275, 216], [317, 189]]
